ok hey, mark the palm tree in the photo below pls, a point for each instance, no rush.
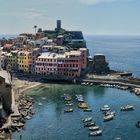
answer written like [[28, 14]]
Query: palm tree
[[35, 27]]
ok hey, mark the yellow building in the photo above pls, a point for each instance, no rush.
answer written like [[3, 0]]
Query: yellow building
[[23, 61]]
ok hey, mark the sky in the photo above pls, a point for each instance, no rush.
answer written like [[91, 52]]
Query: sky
[[111, 17]]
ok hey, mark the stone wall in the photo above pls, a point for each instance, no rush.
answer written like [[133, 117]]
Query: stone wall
[[6, 95]]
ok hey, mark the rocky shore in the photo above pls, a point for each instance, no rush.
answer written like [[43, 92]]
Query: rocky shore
[[23, 108]]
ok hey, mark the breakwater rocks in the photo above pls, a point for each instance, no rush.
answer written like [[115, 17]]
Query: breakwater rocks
[[25, 108], [115, 81]]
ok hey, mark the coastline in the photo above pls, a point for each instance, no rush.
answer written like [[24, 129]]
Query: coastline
[[22, 107]]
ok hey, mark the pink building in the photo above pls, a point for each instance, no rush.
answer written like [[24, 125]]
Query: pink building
[[70, 64], [32, 59], [64, 65], [46, 64]]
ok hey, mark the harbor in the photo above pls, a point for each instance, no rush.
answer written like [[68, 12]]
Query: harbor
[[56, 124]]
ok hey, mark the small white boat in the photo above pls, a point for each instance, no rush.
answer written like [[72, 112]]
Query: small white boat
[[83, 83], [88, 119], [108, 117], [88, 124], [127, 108], [40, 104], [28, 117], [68, 110], [79, 98], [110, 113], [96, 133], [93, 128], [91, 84], [69, 104], [105, 108]]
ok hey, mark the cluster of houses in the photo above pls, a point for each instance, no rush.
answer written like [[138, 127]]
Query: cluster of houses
[[55, 53], [49, 60]]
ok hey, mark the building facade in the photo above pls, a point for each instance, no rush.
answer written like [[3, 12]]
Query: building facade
[[23, 61], [56, 63], [12, 61]]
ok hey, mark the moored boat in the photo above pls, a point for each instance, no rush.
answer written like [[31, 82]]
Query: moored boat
[[87, 110], [93, 128], [91, 84], [68, 110], [96, 133], [79, 98], [88, 119], [40, 104], [88, 124], [110, 113], [105, 108], [82, 105], [127, 108], [108, 117], [69, 104], [67, 98]]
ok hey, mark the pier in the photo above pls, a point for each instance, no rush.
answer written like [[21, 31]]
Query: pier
[[114, 80]]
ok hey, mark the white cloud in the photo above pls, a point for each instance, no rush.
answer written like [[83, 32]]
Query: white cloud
[[94, 2]]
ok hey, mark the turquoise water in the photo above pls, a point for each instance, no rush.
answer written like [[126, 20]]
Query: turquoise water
[[51, 123]]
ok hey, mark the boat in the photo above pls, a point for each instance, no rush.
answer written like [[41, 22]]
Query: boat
[[138, 124], [67, 98], [88, 119], [88, 124], [108, 117], [87, 110], [91, 84], [40, 104], [93, 128], [127, 108], [82, 105], [79, 98], [78, 95], [83, 84], [110, 113], [68, 110], [69, 104], [96, 133], [28, 117], [105, 108]]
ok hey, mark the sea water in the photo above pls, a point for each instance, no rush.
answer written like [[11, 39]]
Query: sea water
[[51, 123]]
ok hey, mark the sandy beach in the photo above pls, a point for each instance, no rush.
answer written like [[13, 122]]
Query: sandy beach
[[21, 86]]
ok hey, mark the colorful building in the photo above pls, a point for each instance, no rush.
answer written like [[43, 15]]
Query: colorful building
[[70, 65], [32, 59], [11, 62], [46, 64], [23, 61], [56, 62]]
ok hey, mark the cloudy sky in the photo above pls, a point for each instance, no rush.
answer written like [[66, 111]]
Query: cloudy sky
[[90, 16]]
